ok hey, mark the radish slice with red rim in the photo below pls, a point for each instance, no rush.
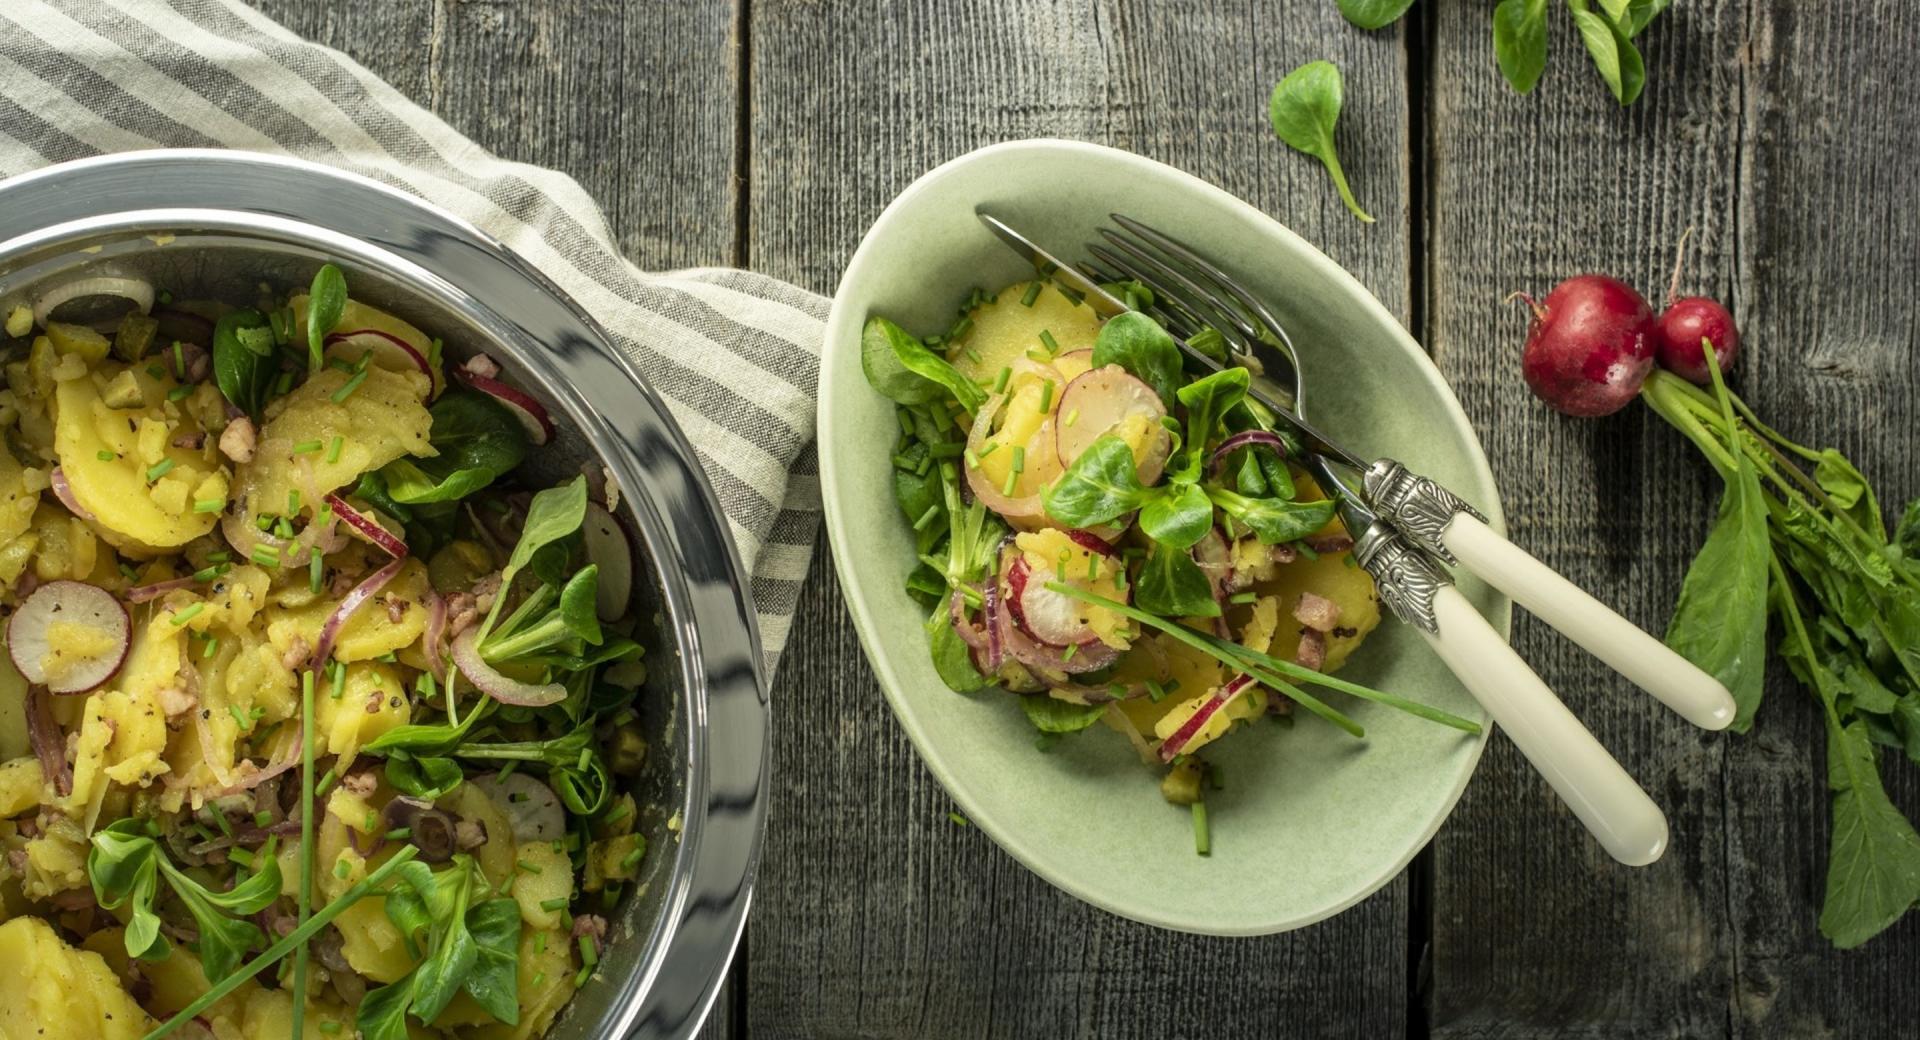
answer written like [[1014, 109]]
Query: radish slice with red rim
[[531, 413], [388, 350], [529, 804], [608, 546], [351, 602], [1102, 402], [1182, 738], [366, 526], [1045, 616], [500, 687], [68, 636]]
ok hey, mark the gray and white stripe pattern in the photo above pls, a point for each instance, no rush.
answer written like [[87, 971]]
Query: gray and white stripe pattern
[[735, 355]]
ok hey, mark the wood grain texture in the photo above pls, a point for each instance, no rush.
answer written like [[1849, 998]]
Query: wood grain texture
[[1796, 189], [875, 916], [635, 101]]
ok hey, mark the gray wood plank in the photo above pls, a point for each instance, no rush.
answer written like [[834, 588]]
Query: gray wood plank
[[876, 916], [638, 102], [1790, 184]]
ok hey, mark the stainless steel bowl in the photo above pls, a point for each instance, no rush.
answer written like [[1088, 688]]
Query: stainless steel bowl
[[218, 224]]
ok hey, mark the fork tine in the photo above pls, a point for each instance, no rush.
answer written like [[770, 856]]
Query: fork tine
[[1165, 309], [1198, 299], [1187, 255]]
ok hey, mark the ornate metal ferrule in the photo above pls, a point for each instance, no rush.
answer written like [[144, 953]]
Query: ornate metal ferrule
[[1406, 577], [1417, 505]]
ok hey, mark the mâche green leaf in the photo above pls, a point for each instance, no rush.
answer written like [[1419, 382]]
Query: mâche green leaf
[[1613, 53], [243, 363], [902, 369], [1177, 517], [1172, 585], [1274, 520], [1374, 14], [1520, 41], [952, 657], [478, 442], [1138, 344], [326, 302], [1303, 110], [1053, 715], [1102, 484]]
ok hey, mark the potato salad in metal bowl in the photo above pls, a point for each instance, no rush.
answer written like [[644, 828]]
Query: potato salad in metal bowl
[[1115, 540], [316, 710]]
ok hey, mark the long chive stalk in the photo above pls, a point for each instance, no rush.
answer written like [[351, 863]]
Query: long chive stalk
[[306, 846], [278, 951]]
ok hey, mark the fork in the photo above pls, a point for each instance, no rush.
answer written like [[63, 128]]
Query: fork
[[1404, 522]]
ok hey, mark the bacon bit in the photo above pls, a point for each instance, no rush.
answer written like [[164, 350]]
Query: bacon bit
[[238, 439], [297, 653], [1313, 649], [17, 861], [74, 899], [1330, 543], [461, 613], [360, 782], [469, 834], [593, 926], [175, 701], [341, 583], [481, 365], [1285, 553], [190, 441], [1317, 612], [373, 702], [396, 608]]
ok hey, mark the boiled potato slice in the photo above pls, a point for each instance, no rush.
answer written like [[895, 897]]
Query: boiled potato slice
[[1004, 330], [372, 701], [496, 857], [545, 979], [357, 316], [14, 740], [125, 468], [20, 784], [550, 879], [49, 990], [1336, 578], [371, 632]]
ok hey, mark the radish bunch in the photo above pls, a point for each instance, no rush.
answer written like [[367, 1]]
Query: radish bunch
[[1594, 339]]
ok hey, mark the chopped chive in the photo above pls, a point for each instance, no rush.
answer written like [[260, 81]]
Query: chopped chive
[[333, 450], [156, 371], [1032, 294], [553, 904], [921, 469], [306, 447], [341, 869], [158, 470], [1243, 597], [632, 859], [507, 770], [933, 512], [208, 505], [347, 389], [219, 557], [372, 822], [400, 834], [316, 570], [1052, 345], [339, 681], [1019, 458], [1093, 567], [293, 501], [327, 780], [240, 718], [329, 1028], [265, 522], [526, 868], [902, 462], [1156, 692], [262, 818], [104, 455], [580, 979], [1306, 550], [540, 940], [906, 421], [180, 393], [948, 450], [339, 363], [1000, 383], [1038, 355], [240, 856], [1013, 476], [210, 572], [992, 446], [283, 527], [1067, 654], [184, 616], [180, 358], [265, 555], [589, 954], [213, 647], [1202, 840], [960, 328], [283, 384], [973, 461], [1046, 396]]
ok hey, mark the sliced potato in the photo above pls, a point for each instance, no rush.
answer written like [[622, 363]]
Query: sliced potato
[[49, 990], [1004, 330], [125, 467]]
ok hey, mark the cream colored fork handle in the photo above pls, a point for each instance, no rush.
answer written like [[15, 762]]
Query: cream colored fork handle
[[1628, 825], [1645, 661]]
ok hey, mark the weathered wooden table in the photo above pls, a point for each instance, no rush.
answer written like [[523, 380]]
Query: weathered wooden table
[[769, 133]]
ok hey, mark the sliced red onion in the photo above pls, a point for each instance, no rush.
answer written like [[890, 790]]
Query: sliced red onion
[[1191, 728], [1038, 657], [500, 687], [436, 635], [1093, 543], [1246, 439], [48, 745], [144, 593], [351, 602], [64, 492], [367, 527], [75, 602]]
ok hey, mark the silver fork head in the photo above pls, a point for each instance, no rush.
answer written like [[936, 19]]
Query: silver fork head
[[1191, 293]]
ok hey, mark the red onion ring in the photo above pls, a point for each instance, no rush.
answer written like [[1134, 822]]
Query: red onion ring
[[482, 675], [1246, 439], [351, 602], [367, 526], [64, 492], [143, 593], [48, 745]]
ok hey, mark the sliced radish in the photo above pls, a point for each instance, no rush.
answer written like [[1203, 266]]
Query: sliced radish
[[389, 351], [1100, 402], [64, 492], [351, 602], [366, 527], [1183, 737], [1045, 616], [500, 687], [43, 633], [531, 413], [608, 547], [529, 804], [1093, 543]]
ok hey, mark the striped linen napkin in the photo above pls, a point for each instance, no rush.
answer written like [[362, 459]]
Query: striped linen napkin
[[736, 355]]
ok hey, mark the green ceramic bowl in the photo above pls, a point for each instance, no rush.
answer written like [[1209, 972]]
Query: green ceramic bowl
[[1310, 820]]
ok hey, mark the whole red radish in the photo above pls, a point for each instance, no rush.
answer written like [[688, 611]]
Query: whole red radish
[[1590, 345], [1678, 333]]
